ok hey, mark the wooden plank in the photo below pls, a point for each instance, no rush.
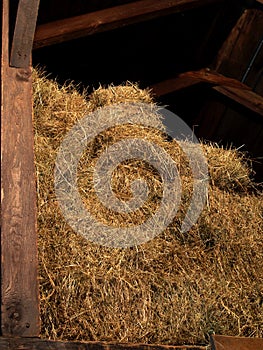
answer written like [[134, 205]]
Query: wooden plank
[[229, 87], [254, 76], [24, 32], [172, 85], [111, 18], [39, 344], [19, 290], [238, 50], [220, 342], [187, 79], [210, 76], [246, 98]]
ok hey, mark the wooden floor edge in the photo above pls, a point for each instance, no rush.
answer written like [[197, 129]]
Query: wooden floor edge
[[42, 344], [223, 342], [218, 342]]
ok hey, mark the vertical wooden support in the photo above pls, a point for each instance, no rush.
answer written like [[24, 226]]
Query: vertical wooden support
[[23, 37], [19, 287]]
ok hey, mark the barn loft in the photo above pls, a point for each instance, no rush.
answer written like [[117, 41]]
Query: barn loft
[[201, 58]]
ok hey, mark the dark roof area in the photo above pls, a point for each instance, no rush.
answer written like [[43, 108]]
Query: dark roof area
[[167, 45]]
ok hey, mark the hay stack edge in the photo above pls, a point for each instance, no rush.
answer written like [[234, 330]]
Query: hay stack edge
[[174, 289]]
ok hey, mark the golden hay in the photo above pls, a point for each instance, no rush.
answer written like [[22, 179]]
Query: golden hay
[[174, 289], [129, 92]]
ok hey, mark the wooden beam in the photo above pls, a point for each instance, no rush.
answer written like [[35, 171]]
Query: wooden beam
[[220, 342], [19, 286], [172, 85], [210, 76], [237, 51], [39, 344], [110, 18], [246, 98], [229, 87], [24, 32], [190, 78]]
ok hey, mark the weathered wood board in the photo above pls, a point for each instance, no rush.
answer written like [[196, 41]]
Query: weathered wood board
[[19, 282], [110, 18]]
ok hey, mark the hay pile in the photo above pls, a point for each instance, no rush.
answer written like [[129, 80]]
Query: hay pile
[[174, 289]]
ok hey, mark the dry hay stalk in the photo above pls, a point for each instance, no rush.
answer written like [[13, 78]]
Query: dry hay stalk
[[173, 289]]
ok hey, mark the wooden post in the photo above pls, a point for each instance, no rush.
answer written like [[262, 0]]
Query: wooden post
[[19, 287], [24, 32]]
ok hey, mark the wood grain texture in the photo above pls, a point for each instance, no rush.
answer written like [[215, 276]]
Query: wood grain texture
[[229, 87], [19, 290], [236, 53], [172, 85], [24, 32], [111, 18], [220, 342], [38, 344], [254, 76], [190, 78], [246, 98], [240, 58]]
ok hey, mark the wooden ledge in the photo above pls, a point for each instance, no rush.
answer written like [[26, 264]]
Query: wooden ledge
[[220, 342], [40, 344]]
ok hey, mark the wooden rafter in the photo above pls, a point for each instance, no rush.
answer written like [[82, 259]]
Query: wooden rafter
[[237, 51], [246, 98], [111, 18], [190, 78], [24, 32], [229, 87]]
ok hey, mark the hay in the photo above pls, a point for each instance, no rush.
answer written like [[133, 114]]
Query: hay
[[174, 289], [229, 169], [128, 92]]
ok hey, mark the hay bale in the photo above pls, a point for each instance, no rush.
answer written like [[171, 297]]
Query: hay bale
[[173, 289], [229, 169], [128, 92]]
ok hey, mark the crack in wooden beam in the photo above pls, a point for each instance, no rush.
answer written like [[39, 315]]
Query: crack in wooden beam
[[110, 18]]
